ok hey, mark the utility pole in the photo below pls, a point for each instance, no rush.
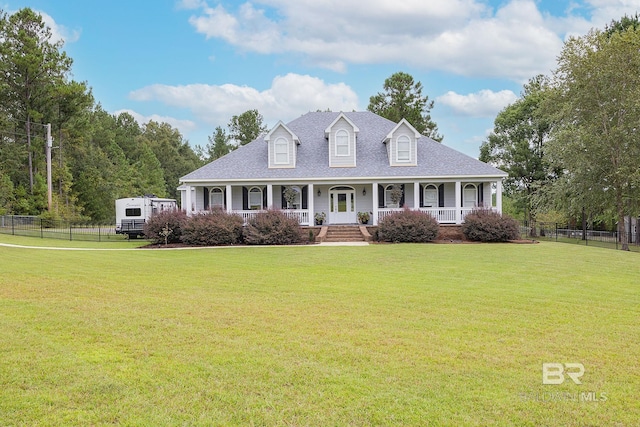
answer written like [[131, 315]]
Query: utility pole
[[48, 152]]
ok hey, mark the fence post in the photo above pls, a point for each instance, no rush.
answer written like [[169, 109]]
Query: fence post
[[41, 233], [70, 232], [13, 227], [556, 231]]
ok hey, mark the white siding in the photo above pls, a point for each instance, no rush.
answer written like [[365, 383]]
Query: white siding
[[402, 130], [278, 133], [342, 161]]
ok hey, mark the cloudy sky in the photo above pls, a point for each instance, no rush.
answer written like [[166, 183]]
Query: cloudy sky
[[196, 63]]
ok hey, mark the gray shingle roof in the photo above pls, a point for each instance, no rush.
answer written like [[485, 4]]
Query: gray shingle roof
[[251, 160]]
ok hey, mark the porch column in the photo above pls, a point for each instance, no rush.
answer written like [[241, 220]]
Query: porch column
[[458, 202], [374, 196], [229, 197], [416, 196], [499, 196], [269, 196], [187, 200], [310, 207]]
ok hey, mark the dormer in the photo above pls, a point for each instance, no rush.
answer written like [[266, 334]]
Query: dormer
[[342, 135], [402, 144], [283, 145]]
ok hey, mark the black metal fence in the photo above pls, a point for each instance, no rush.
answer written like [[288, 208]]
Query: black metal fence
[[33, 226], [565, 234]]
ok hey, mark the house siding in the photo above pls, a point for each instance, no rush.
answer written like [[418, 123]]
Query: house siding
[[342, 161], [278, 133], [402, 130]]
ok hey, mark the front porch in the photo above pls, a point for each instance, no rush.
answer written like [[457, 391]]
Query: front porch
[[447, 201]]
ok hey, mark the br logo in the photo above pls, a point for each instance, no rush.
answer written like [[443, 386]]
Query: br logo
[[553, 373]]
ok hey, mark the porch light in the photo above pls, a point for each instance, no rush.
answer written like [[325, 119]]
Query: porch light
[[364, 191], [319, 193]]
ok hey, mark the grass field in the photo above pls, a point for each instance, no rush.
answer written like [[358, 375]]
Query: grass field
[[432, 334]]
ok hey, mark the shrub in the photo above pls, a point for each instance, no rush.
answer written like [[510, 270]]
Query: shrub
[[272, 227], [213, 228], [408, 226], [165, 227], [486, 225]]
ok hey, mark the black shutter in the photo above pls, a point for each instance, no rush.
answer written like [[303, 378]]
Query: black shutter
[[245, 198], [224, 197], [402, 198], [264, 198], [305, 197], [205, 192], [441, 196], [380, 196], [421, 190], [481, 194], [283, 201]]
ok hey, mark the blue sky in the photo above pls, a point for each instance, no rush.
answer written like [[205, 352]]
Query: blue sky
[[196, 63]]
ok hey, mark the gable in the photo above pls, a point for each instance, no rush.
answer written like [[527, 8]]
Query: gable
[[341, 136], [282, 147], [402, 145]]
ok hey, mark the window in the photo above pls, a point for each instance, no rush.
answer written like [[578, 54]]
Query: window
[[216, 198], [133, 212], [281, 151], [255, 198], [392, 195], [469, 196], [404, 148], [430, 196], [342, 143]]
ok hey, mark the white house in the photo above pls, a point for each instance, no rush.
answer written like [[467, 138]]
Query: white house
[[340, 164]]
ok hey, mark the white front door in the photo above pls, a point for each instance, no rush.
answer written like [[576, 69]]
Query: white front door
[[342, 206]]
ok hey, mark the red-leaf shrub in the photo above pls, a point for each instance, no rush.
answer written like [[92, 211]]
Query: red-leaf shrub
[[166, 224], [213, 228], [486, 225], [408, 226], [272, 227]]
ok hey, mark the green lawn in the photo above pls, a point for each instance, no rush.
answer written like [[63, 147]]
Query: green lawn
[[431, 334]]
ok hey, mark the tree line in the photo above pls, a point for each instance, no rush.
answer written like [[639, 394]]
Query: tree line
[[99, 157], [571, 142]]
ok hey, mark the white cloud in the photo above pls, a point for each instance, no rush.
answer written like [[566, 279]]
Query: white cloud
[[58, 31], [288, 96], [484, 103], [466, 37], [184, 126]]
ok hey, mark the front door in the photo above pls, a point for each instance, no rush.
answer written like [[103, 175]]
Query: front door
[[342, 206]]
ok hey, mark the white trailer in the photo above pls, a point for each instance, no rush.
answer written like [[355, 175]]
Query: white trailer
[[133, 212]]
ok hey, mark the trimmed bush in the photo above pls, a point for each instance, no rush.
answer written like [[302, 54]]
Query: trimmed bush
[[486, 225], [408, 226], [272, 227], [213, 228], [165, 227]]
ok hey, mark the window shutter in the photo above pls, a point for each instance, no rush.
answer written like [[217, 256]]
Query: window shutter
[[224, 195], [421, 190], [245, 198], [402, 198], [305, 197], [441, 196], [264, 198], [380, 196], [283, 201], [205, 193], [481, 194]]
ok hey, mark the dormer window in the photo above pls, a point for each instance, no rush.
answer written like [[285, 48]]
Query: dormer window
[[282, 144], [281, 151], [342, 143], [404, 148], [402, 144]]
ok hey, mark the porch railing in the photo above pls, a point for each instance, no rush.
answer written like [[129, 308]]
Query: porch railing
[[302, 215], [442, 215]]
